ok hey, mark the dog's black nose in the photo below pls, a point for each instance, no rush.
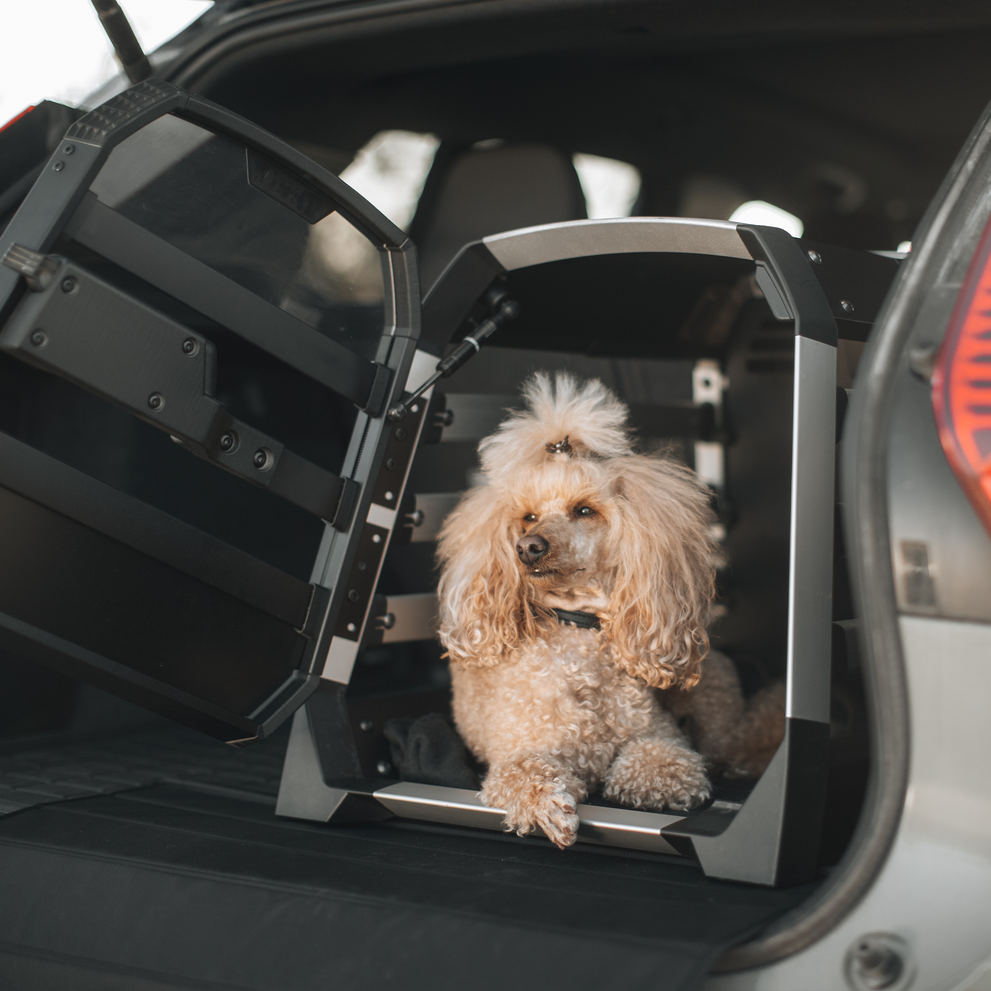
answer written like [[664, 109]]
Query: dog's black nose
[[531, 547]]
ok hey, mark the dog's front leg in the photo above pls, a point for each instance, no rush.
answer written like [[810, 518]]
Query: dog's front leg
[[536, 790], [658, 771]]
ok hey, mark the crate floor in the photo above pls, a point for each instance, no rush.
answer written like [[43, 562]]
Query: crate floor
[[195, 883]]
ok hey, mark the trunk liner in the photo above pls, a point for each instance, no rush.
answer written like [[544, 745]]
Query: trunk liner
[[195, 883]]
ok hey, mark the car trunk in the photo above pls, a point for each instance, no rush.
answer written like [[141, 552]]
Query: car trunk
[[163, 847]]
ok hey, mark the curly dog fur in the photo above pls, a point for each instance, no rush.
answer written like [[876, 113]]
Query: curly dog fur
[[571, 518]]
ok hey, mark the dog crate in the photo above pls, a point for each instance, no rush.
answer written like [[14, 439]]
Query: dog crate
[[209, 512]]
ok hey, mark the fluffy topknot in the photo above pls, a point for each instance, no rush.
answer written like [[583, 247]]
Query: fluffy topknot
[[564, 419]]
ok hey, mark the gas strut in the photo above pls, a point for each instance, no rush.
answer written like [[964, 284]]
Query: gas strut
[[508, 309]]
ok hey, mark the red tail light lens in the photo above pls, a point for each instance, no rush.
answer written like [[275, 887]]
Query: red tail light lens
[[14, 120], [961, 385]]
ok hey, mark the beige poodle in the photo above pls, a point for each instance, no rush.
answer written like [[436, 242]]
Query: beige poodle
[[574, 583]]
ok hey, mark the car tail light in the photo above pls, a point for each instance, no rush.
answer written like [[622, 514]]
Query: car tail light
[[14, 120], [961, 385]]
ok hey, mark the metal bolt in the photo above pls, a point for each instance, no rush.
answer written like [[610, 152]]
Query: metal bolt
[[69, 285], [68, 149], [922, 360], [366, 725], [58, 166], [388, 621], [354, 595], [390, 463], [846, 306], [814, 257], [262, 459], [400, 433], [39, 339], [228, 441], [155, 401], [383, 767], [878, 961], [189, 346], [416, 517]]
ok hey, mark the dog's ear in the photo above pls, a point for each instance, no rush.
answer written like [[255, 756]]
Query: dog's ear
[[665, 571], [484, 603]]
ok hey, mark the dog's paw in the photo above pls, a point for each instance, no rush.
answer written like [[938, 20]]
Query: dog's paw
[[535, 794], [657, 774], [557, 817]]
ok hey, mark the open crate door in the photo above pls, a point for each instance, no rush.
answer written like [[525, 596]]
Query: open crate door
[[635, 280], [164, 235]]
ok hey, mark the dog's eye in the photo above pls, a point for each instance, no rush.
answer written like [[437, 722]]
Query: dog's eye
[[584, 511], [529, 518]]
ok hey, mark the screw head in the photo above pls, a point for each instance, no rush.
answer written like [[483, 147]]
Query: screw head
[[68, 149], [389, 496], [846, 306], [383, 767], [39, 338], [262, 459], [58, 166], [390, 464], [354, 595], [814, 257], [400, 433], [879, 961], [189, 346], [228, 441], [155, 401], [366, 725], [69, 285]]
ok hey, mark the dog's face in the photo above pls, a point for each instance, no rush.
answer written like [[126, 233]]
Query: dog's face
[[570, 518], [563, 541]]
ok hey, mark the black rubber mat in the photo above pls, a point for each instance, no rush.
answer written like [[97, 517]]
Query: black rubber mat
[[197, 884]]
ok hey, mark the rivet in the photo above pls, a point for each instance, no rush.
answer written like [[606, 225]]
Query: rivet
[[68, 149], [846, 306], [354, 595], [155, 401], [383, 767], [189, 346], [262, 459], [376, 538], [362, 565], [390, 464], [414, 408], [69, 285], [366, 725], [228, 441], [39, 339], [58, 166], [400, 433], [389, 497], [814, 257]]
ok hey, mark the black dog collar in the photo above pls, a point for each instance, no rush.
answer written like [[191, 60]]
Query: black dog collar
[[586, 620]]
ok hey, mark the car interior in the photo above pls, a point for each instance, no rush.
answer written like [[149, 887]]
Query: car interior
[[849, 124]]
